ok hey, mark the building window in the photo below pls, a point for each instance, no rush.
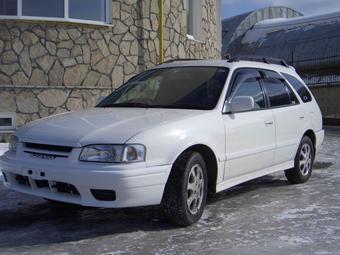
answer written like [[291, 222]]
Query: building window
[[88, 9], [194, 19], [218, 8], [8, 7], [43, 8], [83, 11]]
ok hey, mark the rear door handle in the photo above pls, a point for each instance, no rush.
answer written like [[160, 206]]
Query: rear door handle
[[302, 117], [269, 122]]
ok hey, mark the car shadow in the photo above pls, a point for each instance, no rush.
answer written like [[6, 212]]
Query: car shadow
[[41, 222], [45, 223], [247, 187]]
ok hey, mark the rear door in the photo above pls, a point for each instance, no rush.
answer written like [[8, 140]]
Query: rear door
[[288, 114], [250, 135]]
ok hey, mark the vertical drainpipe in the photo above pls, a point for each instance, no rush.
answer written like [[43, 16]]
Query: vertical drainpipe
[[161, 31]]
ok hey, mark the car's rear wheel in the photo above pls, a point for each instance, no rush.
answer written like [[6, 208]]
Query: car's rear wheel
[[186, 190], [304, 160]]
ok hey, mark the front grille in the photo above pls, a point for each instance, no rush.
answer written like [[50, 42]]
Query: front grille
[[44, 186], [22, 180], [45, 156], [65, 188], [41, 183], [47, 147]]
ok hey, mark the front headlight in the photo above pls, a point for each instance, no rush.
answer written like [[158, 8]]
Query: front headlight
[[113, 153], [13, 144]]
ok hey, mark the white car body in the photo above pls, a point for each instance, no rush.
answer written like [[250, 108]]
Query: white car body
[[245, 145]]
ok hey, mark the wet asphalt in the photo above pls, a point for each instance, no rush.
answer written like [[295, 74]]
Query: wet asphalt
[[263, 216]]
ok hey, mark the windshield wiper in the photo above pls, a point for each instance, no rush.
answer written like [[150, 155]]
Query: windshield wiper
[[186, 106]]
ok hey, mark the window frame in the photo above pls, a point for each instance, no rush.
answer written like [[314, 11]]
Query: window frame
[[261, 71], [66, 18], [300, 98], [144, 73], [195, 16], [229, 95], [287, 88]]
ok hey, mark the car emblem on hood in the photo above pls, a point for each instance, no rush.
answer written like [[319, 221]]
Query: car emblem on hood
[[43, 156]]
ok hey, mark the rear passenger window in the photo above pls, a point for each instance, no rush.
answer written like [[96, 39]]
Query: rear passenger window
[[299, 87], [277, 91]]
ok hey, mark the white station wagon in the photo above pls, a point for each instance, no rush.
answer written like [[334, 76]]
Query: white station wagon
[[171, 135]]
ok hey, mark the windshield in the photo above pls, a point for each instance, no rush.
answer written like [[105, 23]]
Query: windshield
[[175, 87]]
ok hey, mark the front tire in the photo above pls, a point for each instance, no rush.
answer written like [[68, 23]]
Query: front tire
[[186, 190], [304, 160]]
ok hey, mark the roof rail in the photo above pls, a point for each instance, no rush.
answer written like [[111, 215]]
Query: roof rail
[[180, 59], [262, 59]]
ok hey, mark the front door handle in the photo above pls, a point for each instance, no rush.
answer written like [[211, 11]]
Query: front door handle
[[269, 122]]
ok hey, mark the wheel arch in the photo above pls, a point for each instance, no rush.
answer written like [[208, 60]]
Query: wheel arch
[[211, 162], [310, 133]]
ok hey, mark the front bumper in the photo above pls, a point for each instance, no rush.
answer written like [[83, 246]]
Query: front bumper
[[133, 185]]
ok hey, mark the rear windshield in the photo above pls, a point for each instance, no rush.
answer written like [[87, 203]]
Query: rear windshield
[[299, 87], [175, 87]]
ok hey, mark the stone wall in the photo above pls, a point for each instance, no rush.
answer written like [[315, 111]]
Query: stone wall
[[52, 67]]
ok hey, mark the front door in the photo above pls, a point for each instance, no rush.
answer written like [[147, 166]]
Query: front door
[[250, 135]]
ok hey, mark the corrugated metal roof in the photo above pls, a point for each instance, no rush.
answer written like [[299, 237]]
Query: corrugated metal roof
[[235, 27], [310, 44]]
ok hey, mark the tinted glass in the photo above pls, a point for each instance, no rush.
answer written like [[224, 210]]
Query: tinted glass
[[43, 8], [299, 87], [292, 95], [251, 87], [183, 88], [8, 7], [5, 122], [88, 9], [277, 92]]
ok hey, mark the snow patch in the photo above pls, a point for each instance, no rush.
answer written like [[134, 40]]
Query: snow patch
[[300, 213]]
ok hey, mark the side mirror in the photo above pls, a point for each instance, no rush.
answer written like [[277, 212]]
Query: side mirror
[[227, 107], [100, 99], [239, 104]]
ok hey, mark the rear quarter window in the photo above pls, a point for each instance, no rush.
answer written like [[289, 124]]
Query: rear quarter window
[[300, 88]]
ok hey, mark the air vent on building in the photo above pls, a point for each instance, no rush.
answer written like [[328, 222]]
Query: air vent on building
[[7, 122]]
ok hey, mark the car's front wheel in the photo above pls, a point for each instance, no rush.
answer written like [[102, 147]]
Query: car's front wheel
[[304, 160], [186, 190]]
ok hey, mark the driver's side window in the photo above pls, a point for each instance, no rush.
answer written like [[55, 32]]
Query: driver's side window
[[245, 85]]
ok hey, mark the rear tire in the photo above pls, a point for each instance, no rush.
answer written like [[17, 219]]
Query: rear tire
[[304, 160], [186, 190]]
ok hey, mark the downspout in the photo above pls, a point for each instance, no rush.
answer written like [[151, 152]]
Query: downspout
[[161, 31]]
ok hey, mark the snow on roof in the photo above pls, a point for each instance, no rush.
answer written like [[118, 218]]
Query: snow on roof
[[263, 28], [298, 21]]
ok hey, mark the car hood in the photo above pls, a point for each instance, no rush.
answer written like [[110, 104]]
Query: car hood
[[98, 125]]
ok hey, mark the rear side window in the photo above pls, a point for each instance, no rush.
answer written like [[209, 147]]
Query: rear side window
[[299, 87], [277, 92]]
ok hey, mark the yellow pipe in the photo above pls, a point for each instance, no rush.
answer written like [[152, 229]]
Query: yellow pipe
[[161, 31]]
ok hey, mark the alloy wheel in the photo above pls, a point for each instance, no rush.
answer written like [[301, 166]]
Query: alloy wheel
[[305, 160], [195, 189]]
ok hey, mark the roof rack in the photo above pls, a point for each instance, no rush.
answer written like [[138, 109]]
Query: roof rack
[[262, 59], [180, 59]]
